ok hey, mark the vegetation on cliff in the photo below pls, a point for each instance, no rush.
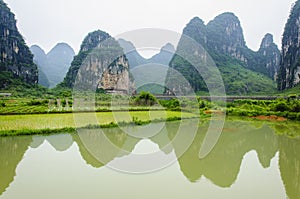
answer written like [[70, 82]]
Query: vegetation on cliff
[[16, 60]]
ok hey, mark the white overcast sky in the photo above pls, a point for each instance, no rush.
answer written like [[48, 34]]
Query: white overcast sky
[[47, 22]]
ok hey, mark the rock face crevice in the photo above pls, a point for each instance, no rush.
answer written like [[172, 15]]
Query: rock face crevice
[[16, 60], [289, 73]]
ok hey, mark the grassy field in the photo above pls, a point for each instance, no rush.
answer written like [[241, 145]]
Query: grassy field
[[58, 121]]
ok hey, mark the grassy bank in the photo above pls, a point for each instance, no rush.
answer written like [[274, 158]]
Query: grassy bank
[[57, 123]]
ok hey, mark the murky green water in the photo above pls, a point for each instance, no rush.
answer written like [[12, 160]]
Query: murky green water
[[248, 161]]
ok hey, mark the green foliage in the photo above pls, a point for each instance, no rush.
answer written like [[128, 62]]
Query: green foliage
[[295, 107], [63, 102], [145, 99], [2, 104], [170, 104], [241, 81], [35, 102], [281, 107]]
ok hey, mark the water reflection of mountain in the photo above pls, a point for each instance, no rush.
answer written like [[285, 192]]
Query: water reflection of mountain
[[99, 147], [12, 151], [60, 142], [222, 165], [289, 163]]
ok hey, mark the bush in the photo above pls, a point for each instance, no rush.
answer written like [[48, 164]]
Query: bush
[[37, 102], [2, 104], [281, 107], [292, 96], [63, 102], [145, 99], [298, 116], [295, 106], [170, 104]]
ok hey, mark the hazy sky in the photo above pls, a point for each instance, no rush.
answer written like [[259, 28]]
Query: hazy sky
[[47, 22]]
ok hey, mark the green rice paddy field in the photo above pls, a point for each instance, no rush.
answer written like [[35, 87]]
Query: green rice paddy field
[[58, 121]]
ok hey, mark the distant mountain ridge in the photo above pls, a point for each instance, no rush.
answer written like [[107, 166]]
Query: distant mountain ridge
[[16, 60], [149, 74], [54, 65], [135, 59], [243, 70]]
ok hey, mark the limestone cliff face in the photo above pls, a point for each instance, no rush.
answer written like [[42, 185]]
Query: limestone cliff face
[[289, 75], [196, 30], [91, 41], [100, 64], [16, 60], [270, 56], [226, 36], [116, 76]]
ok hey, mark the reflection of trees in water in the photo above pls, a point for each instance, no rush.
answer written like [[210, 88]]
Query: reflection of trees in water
[[222, 165], [12, 151], [289, 164]]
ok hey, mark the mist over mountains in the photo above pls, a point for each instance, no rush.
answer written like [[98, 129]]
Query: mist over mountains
[[54, 65]]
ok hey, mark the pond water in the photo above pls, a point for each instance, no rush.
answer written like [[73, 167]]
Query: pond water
[[248, 161]]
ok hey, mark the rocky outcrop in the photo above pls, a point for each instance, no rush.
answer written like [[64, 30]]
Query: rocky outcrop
[[54, 64], [16, 60], [134, 58], [289, 73], [270, 56], [100, 64], [225, 36]]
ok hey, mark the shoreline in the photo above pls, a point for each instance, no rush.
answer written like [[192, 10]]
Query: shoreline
[[48, 131], [138, 122]]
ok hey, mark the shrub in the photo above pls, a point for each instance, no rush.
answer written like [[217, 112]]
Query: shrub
[[2, 104], [298, 116], [37, 102], [170, 104], [292, 96], [63, 102], [295, 106], [281, 107], [146, 99]]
